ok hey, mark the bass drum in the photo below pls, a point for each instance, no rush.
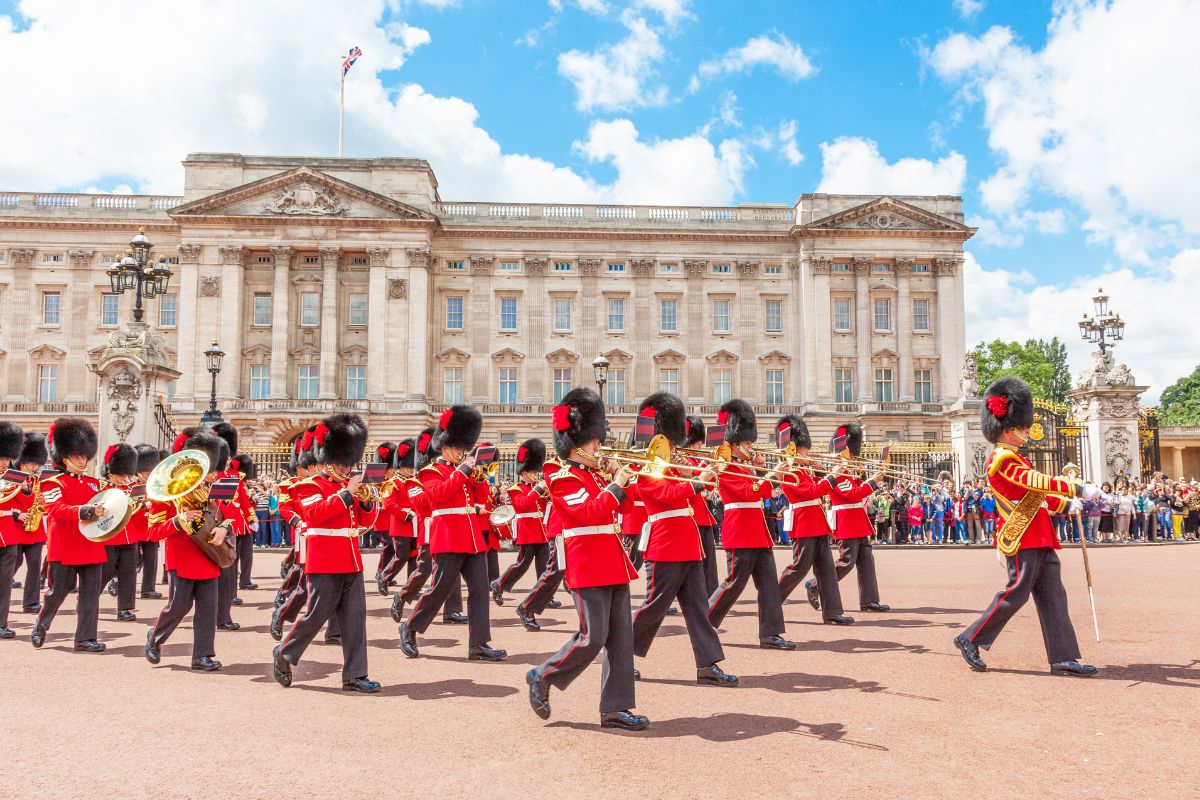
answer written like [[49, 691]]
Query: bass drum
[[115, 511]]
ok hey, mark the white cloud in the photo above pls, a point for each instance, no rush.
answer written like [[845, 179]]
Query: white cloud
[[967, 9], [598, 7], [1012, 305], [781, 53], [787, 143], [854, 166], [1100, 115], [672, 11], [620, 76], [438, 4], [1011, 230], [409, 37]]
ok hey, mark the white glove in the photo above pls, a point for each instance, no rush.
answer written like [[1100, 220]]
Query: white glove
[[1089, 490]]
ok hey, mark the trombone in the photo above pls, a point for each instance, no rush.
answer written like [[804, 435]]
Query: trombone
[[789, 456], [722, 454], [654, 460]]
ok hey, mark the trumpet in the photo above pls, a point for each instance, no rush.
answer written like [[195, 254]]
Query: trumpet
[[486, 473], [654, 461]]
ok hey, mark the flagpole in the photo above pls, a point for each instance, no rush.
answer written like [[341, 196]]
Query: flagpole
[[341, 112]]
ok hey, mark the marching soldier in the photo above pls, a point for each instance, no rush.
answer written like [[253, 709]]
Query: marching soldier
[[853, 528], [1025, 499], [528, 498], [148, 458], [694, 437], [242, 467], [120, 468], [386, 453], [12, 439], [194, 575], [598, 570], [675, 552], [808, 529], [401, 506], [744, 534], [72, 557], [456, 545], [236, 512], [337, 506], [31, 538]]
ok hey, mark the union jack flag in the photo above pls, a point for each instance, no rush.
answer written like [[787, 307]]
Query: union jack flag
[[349, 60]]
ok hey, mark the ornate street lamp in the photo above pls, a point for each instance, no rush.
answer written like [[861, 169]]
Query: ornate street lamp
[[1104, 327], [600, 368], [213, 356], [133, 272]]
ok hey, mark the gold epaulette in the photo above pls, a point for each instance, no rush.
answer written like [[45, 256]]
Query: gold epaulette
[[999, 456], [52, 478], [565, 472], [430, 467], [157, 518]]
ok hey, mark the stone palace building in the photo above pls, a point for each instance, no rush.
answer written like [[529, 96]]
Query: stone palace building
[[350, 283]]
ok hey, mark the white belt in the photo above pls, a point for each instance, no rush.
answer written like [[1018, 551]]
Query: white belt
[[639, 503], [848, 506], [590, 530], [439, 512], [529, 515], [789, 513], [674, 512], [730, 506], [346, 533]]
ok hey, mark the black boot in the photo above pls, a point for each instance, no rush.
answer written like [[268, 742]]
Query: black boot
[[539, 694], [206, 663], [1073, 668], [713, 676], [623, 720], [497, 595], [814, 599], [527, 619], [408, 641], [152, 653], [397, 608], [485, 653], [282, 670], [363, 685], [455, 618], [970, 653]]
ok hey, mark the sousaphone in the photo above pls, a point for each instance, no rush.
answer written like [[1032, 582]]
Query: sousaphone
[[179, 480]]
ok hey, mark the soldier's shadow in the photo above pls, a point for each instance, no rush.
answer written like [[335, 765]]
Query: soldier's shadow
[[1181, 675], [730, 727], [855, 646], [435, 690]]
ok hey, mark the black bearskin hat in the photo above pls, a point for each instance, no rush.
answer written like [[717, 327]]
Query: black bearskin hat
[[243, 464], [854, 436], [800, 434], [228, 433], [405, 454], [34, 450], [1007, 405], [578, 419], [386, 453], [427, 449], [341, 440], [459, 426], [119, 459], [306, 454], [11, 440], [148, 457], [531, 455], [181, 440], [668, 416], [740, 423], [71, 436], [694, 430], [216, 448]]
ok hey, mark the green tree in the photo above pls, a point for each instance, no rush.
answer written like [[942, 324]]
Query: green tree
[[1180, 402], [1040, 363]]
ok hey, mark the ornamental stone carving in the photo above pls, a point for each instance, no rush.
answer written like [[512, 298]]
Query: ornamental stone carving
[[22, 256], [1118, 407], [980, 451], [304, 199], [969, 382], [862, 264], [330, 256], [748, 269], [642, 267], [397, 288], [124, 392], [419, 257], [1117, 453], [589, 267], [946, 267], [378, 256], [695, 267], [884, 221], [81, 259], [1104, 372], [822, 265], [232, 254], [210, 286], [482, 265], [902, 265], [283, 255], [794, 267], [535, 265], [189, 253], [137, 336]]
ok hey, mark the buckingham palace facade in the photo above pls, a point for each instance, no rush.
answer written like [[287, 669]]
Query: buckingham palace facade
[[350, 284]]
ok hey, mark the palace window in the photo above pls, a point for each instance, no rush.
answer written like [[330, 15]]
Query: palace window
[[720, 269], [616, 267], [668, 381], [454, 313], [509, 266], [356, 382], [52, 258], [721, 316], [616, 314], [508, 313], [841, 314], [264, 260], [615, 387], [456, 265], [920, 268], [921, 315], [841, 266], [508, 386], [877, 267], [843, 385], [722, 385], [883, 385], [358, 261], [773, 269], [923, 385], [562, 314], [260, 382], [883, 314], [452, 385], [263, 308], [670, 268], [358, 310], [47, 383], [774, 316], [562, 266], [774, 384], [168, 310], [51, 308], [562, 383], [310, 309], [668, 321], [312, 259], [308, 381], [108, 312]]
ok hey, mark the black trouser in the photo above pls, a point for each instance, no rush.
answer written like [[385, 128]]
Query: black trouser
[[666, 580], [812, 552], [631, 549], [401, 555], [245, 559], [10, 556], [493, 564], [535, 555], [149, 556], [186, 592], [31, 588], [226, 591], [859, 553], [747, 563], [387, 551], [447, 569], [604, 624], [418, 578], [339, 596], [1036, 572], [709, 541], [297, 599], [59, 584], [122, 564], [547, 583]]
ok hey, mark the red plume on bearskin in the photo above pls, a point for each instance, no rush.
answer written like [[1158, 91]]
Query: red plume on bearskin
[[445, 418], [739, 420], [405, 455], [108, 454], [560, 418], [668, 414], [998, 405], [459, 427], [587, 421], [1008, 406], [694, 430], [427, 450], [119, 459], [180, 440], [531, 455]]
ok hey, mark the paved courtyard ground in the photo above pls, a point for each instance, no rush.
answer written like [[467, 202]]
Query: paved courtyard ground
[[885, 708]]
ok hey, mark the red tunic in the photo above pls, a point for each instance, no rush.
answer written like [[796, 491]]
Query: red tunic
[[411, 521], [1012, 476], [289, 512], [633, 514], [851, 516], [63, 495], [530, 508], [592, 546], [334, 518], [12, 530], [673, 532], [183, 556], [745, 523], [240, 510], [451, 507], [700, 510], [136, 530], [804, 495]]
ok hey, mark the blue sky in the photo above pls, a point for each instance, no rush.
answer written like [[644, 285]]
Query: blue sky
[[1066, 126]]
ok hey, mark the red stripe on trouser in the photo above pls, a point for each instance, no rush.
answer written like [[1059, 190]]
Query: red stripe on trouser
[[729, 581], [1003, 597], [307, 611], [583, 632], [649, 591]]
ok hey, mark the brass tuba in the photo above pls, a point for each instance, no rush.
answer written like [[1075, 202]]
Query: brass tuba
[[179, 480]]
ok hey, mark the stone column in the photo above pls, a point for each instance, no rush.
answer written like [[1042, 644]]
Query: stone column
[[799, 378], [821, 386], [863, 324], [78, 298], [536, 382], [1176, 461], [693, 315], [187, 278], [481, 322], [281, 296], [1105, 402], [904, 323], [233, 325], [399, 321], [378, 338], [971, 450], [22, 312], [133, 372], [951, 322], [330, 324], [747, 379], [591, 307], [419, 337]]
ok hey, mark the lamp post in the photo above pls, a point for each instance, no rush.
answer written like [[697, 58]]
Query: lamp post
[[134, 273], [600, 369], [1104, 327], [213, 356]]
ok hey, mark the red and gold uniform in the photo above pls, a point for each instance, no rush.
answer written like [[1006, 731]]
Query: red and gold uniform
[[533, 545], [808, 528]]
